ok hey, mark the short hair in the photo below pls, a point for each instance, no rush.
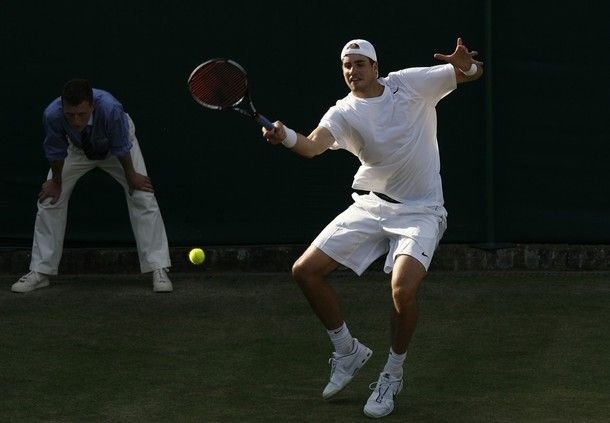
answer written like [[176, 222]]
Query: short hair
[[76, 91]]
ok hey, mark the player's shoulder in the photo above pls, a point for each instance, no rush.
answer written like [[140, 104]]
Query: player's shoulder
[[105, 101], [53, 110], [340, 106], [342, 102], [100, 95]]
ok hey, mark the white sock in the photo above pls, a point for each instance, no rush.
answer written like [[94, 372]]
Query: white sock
[[342, 339], [395, 363]]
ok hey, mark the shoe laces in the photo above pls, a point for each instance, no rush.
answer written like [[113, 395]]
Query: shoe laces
[[333, 365], [334, 360], [24, 278], [382, 386]]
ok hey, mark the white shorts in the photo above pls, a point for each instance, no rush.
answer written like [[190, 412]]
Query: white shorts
[[372, 227]]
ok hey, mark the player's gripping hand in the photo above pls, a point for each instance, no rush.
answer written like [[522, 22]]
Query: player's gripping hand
[[275, 136]]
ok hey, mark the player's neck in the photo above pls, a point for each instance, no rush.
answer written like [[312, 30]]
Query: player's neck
[[375, 89]]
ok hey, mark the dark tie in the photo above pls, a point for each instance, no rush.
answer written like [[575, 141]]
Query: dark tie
[[85, 138]]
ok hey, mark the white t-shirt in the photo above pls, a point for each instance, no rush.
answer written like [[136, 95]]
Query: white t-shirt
[[394, 135]]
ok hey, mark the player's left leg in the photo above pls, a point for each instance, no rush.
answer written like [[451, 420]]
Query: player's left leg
[[146, 220], [414, 236], [407, 276]]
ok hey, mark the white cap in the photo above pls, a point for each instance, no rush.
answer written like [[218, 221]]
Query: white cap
[[358, 46]]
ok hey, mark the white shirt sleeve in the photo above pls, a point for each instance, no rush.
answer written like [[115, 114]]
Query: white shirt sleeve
[[432, 83]]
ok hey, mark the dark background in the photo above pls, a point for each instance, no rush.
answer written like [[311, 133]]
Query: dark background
[[524, 151]]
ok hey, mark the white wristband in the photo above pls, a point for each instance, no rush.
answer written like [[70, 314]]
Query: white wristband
[[291, 138], [473, 70]]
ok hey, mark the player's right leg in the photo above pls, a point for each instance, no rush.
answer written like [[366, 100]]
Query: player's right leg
[[343, 368], [310, 272], [50, 226], [353, 240]]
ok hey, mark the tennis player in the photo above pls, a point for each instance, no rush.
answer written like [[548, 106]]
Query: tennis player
[[87, 128], [390, 124]]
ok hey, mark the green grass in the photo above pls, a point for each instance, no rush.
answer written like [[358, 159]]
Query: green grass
[[496, 347]]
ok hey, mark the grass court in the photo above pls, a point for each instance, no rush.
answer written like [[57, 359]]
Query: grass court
[[233, 347]]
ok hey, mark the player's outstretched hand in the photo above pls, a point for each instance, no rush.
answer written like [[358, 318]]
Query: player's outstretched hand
[[461, 57]]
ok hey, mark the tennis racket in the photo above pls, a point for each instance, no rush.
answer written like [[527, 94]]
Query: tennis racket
[[222, 84]]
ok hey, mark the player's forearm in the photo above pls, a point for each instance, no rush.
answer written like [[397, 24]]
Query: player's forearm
[[306, 147], [127, 165], [313, 145], [57, 167]]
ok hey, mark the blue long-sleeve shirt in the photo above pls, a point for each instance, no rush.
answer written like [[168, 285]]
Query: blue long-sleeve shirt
[[108, 121]]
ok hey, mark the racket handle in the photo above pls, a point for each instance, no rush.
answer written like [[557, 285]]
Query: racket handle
[[264, 121]]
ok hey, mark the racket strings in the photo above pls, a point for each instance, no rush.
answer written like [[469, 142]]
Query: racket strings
[[219, 84]]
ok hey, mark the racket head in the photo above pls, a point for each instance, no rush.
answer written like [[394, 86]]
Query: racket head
[[218, 84]]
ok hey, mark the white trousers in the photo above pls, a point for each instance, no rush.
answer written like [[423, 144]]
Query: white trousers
[[144, 214]]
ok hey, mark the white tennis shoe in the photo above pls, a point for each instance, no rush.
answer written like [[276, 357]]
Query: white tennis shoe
[[343, 368], [381, 401], [30, 282], [161, 282]]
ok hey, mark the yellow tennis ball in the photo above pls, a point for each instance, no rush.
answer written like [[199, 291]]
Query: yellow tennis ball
[[196, 256]]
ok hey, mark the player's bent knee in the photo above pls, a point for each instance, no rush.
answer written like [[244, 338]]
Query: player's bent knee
[[404, 296], [312, 267], [305, 272], [300, 271]]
